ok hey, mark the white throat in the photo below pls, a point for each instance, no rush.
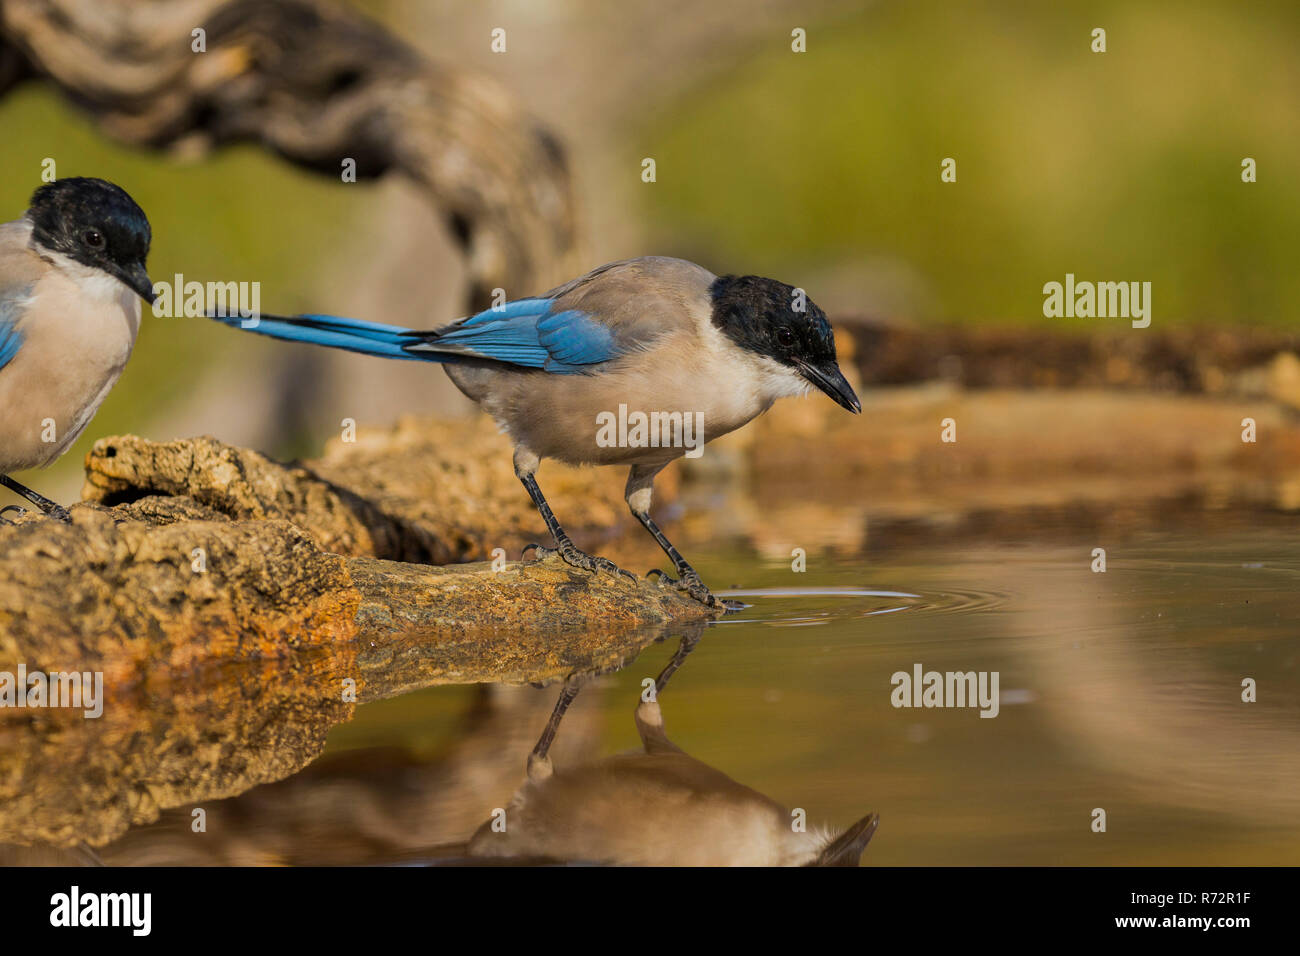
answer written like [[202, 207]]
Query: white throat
[[93, 283], [760, 376]]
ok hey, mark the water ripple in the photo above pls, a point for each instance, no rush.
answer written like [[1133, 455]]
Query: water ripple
[[811, 606]]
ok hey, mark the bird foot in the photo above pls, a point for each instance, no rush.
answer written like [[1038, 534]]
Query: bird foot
[[690, 583], [18, 511], [578, 559], [57, 512]]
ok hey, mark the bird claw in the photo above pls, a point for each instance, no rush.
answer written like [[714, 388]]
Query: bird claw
[[694, 587], [19, 510], [578, 559], [57, 512]]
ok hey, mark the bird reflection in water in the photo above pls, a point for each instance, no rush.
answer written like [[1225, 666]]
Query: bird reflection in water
[[657, 806]]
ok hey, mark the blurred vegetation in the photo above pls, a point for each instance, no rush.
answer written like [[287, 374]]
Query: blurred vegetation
[[1117, 166]]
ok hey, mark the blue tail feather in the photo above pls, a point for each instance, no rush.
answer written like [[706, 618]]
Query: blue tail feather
[[523, 334], [368, 338]]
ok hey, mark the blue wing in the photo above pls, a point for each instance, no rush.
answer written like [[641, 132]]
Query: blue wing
[[11, 339], [528, 334]]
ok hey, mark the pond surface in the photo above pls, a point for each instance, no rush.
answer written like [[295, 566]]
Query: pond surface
[[1118, 691]]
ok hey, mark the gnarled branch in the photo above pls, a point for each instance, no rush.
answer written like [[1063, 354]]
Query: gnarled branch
[[317, 83]]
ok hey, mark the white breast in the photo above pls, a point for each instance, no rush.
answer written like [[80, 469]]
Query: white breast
[[78, 332]]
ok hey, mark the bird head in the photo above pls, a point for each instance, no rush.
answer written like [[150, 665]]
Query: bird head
[[96, 224], [780, 323]]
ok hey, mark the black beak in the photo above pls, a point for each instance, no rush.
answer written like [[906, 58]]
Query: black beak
[[831, 381], [847, 848], [137, 279]]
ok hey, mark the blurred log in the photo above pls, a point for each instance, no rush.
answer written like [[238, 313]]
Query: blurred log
[[316, 83], [1224, 361]]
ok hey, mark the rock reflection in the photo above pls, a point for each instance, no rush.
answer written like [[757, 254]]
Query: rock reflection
[[131, 787], [168, 747]]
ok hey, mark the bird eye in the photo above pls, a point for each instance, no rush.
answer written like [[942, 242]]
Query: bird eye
[[784, 336], [92, 238]]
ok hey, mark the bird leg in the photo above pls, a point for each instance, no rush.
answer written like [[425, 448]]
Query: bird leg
[[52, 509], [539, 763], [640, 484], [684, 648], [564, 547], [648, 716]]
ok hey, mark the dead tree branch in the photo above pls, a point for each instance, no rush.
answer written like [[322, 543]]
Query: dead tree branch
[[317, 83]]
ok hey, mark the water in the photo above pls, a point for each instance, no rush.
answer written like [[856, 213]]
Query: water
[[1120, 691]]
